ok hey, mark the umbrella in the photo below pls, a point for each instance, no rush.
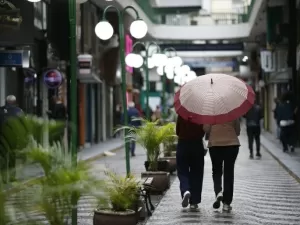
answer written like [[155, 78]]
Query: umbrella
[[214, 99]]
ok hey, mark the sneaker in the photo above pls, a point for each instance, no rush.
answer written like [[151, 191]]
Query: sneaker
[[258, 155], [186, 199], [251, 156], [292, 149], [194, 207], [218, 201], [227, 208]]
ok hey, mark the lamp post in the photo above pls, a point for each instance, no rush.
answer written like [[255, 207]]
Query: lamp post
[[133, 61], [104, 31]]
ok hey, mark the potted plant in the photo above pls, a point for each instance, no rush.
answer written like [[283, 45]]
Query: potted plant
[[121, 207], [150, 136], [59, 191], [169, 147]]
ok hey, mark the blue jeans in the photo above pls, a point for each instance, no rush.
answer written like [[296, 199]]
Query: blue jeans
[[190, 168], [132, 147]]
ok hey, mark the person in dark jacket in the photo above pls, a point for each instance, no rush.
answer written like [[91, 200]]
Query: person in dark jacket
[[9, 110], [190, 161], [253, 118], [286, 118], [277, 104], [133, 114]]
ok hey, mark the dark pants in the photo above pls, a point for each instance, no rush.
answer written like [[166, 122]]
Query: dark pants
[[224, 157], [287, 135], [132, 147], [253, 133], [190, 166]]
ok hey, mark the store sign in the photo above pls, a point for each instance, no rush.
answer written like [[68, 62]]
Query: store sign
[[52, 78], [85, 64], [268, 59], [40, 15], [14, 58], [10, 17], [128, 49]]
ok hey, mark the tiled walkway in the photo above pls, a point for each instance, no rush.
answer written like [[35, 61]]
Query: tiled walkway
[[265, 194]]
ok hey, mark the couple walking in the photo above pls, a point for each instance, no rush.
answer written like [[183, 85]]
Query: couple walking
[[223, 148]]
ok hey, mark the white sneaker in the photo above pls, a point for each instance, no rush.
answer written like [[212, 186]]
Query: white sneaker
[[186, 199], [227, 208], [218, 201], [194, 207]]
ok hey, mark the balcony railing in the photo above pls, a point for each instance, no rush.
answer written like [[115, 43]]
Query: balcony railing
[[190, 19]]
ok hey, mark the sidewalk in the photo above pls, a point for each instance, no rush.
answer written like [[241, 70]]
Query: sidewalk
[[264, 194], [290, 161], [96, 151]]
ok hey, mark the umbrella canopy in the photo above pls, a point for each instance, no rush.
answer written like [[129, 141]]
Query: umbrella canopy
[[214, 99]]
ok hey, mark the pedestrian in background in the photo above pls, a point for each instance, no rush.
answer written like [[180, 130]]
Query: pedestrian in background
[[286, 117], [8, 159], [223, 147], [253, 124], [133, 115], [275, 111], [190, 161]]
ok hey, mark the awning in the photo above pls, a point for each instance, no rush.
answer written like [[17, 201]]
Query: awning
[[89, 78]]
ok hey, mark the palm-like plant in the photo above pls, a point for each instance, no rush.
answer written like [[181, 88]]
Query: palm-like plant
[[170, 140], [59, 191], [122, 191], [150, 136]]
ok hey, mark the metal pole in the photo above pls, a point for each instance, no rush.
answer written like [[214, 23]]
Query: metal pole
[[164, 80], [73, 93], [124, 99], [147, 86]]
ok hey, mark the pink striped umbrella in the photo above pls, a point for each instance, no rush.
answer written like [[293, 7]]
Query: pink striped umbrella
[[214, 99]]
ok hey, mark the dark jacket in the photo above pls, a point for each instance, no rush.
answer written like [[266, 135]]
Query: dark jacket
[[187, 130], [9, 111], [132, 114], [286, 111], [253, 117]]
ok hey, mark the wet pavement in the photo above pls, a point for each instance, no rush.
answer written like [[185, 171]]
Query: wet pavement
[[265, 194]]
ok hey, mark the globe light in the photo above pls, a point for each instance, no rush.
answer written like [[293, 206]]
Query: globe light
[[160, 59], [169, 68], [134, 60], [185, 69], [150, 63], [177, 61], [178, 70], [81, 1], [160, 70], [192, 74], [138, 29], [34, 1], [138, 62], [170, 75], [104, 30], [177, 79]]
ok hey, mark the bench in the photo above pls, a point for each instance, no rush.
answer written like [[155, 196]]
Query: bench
[[145, 193]]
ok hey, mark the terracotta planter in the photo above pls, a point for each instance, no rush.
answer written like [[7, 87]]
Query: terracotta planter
[[172, 163], [161, 181], [162, 165], [109, 217]]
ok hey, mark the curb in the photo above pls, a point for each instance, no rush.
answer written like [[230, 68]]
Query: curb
[[282, 164], [33, 181]]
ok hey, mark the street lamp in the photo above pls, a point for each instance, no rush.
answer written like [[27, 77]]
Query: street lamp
[[137, 61], [104, 31]]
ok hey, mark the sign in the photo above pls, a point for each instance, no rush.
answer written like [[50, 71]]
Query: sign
[[268, 59], [10, 17], [204, 47], [128, 49], [210, 64], [52, 78], [40, 15], [85, 64], [15, 58]]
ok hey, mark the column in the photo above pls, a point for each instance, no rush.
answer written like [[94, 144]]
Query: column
[[2, 86]]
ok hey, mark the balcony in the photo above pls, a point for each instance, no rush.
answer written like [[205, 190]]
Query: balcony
[[189, 23]]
